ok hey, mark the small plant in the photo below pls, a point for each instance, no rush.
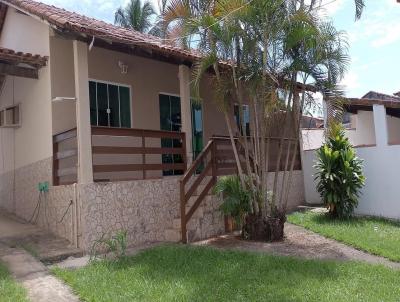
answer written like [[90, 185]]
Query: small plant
[[339, 174], [116, 245], [236, 199]]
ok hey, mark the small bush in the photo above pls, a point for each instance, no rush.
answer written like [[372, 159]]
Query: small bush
[[339, 174], [116, 245], [236, 199]]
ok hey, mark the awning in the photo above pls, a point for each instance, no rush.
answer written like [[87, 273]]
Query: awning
[[20, 64]]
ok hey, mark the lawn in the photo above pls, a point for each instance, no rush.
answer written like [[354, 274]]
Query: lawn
[[10, 291], [184, 273], [373, 235]]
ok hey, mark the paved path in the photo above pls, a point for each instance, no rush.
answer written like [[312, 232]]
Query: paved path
[[35, 277], [303, 243], [26, 269]]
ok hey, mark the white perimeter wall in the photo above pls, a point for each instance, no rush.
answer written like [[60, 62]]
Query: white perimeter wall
[[380, 195]]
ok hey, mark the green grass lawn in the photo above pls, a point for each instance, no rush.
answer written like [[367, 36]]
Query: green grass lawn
[[10, 291], [374, 235], [184, 273]]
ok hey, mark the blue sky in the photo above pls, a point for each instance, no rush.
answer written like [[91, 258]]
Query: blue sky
[[374, 40]]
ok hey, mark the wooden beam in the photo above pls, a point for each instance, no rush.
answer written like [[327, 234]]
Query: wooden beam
[[18, 71]]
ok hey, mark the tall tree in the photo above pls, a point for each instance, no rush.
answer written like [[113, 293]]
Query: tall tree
[[269, 45], [136, 15]]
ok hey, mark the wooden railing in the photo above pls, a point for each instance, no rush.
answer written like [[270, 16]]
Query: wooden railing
[[144, 148], [206, 163], [217, 159], [65, 153]]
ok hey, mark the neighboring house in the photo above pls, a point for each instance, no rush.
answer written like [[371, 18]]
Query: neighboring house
[[310, 122], [374, 130], [104, 116]]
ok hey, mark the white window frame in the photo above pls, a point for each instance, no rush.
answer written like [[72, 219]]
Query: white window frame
[[108, 101], [4, 116]]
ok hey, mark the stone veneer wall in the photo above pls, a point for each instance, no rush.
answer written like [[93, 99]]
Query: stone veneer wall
[[144, 208], [53, 205], [147, 209]]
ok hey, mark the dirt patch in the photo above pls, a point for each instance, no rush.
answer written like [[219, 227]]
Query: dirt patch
[[303, 243]]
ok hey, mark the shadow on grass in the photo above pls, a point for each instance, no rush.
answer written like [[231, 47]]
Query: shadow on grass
[[205, 274]]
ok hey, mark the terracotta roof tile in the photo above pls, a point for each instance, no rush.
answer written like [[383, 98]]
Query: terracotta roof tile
[[13, 57], [67, 20]]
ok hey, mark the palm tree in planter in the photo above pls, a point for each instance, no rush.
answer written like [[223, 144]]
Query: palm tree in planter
[[268, 46], [135, 15], [339, 173]]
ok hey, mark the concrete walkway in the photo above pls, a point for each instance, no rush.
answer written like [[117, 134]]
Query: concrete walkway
[[302, 243], [35, 277], [26, 269]]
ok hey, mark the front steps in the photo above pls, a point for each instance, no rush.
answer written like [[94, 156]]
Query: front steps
[[207, 221]]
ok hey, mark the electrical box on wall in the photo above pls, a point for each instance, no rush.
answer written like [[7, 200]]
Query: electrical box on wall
[[43, 186]]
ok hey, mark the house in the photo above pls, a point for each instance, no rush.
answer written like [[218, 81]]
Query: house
[[374, 130], [98, 132]]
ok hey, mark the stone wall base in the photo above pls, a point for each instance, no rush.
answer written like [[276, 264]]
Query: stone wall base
[[149, 210]]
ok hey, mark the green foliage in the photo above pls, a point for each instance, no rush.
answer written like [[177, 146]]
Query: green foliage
[[339, 173], [115, 245], [136, 15], [236, 199], [374, 235], [189, 273], [10, 291]]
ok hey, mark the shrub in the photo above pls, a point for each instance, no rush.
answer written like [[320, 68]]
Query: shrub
[[116, 245], [236, 199], [339, 173]]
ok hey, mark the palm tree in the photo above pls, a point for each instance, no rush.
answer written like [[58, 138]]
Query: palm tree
[[271, 44], [159, 29], [135, 15]]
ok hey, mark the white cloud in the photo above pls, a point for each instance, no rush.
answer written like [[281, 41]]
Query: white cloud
[[332, 7], [378, 27], [351, 80]]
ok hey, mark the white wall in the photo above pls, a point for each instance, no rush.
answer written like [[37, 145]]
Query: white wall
[[380, 195], [393, 124], [314, 138], [33, 140], [365, 132]]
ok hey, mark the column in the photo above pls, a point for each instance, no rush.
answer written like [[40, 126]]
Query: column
[[84, 136], [186, 109], [380, 124]]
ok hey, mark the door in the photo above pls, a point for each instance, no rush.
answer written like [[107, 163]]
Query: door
[[170, 120], [197, 129]]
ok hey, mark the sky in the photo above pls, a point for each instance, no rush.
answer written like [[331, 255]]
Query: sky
[[374, 41]]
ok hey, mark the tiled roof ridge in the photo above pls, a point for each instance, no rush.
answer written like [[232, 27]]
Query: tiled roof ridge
[[394, 96], [74, 21], [22, 57]]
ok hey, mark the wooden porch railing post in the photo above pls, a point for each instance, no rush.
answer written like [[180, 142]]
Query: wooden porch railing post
[[183, 212], [214, 159], [144, 155], [184, 156]]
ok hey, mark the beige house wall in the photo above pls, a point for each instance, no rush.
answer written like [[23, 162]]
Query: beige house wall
[[31, 143], [23, 33], [62, 84], [147, 79]]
